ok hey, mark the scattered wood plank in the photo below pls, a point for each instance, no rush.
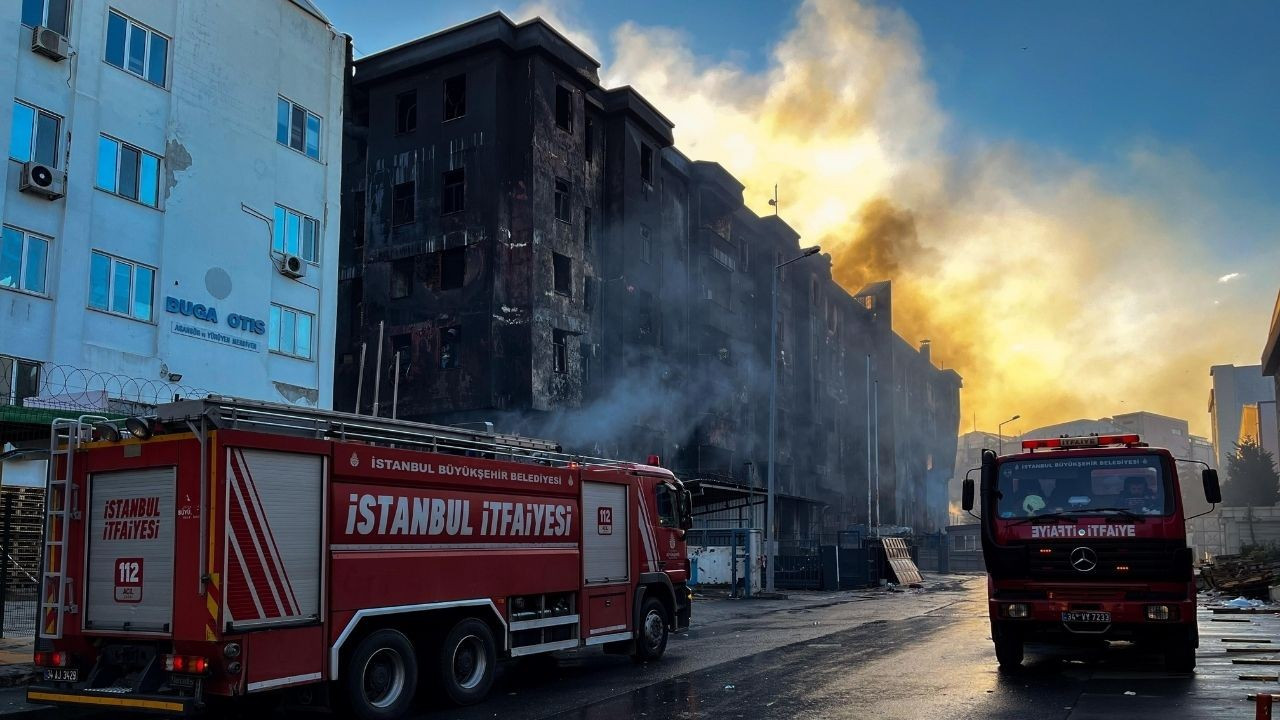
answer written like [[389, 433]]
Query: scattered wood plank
[[1260, 678], [1224, 619], [1245, 640], [1255, 661], [1251, 650]]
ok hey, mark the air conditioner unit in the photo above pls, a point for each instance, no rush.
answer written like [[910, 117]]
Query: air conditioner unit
[[293, 266], [40, 179], [50, 43]]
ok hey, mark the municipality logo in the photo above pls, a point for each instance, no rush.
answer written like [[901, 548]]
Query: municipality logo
[[355, 460]]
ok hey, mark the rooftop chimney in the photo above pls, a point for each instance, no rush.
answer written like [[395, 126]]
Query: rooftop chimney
[[924, 350]]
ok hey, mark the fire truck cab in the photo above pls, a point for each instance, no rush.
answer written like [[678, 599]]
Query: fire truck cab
[[1085, 542], [224, 549]]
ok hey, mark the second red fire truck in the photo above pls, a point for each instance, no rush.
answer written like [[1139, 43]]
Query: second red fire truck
[[1085, 541], [223, 549]]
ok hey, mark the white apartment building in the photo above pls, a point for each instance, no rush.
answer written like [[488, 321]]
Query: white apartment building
[[171, 198]]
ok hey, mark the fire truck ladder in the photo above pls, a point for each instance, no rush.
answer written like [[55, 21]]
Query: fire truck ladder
[[241, 414], [59, 508]]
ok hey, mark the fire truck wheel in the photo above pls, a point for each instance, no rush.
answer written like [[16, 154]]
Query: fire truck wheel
[[1180, 655], [1009, 653], [468, 658], [651, 636], [381, 676]]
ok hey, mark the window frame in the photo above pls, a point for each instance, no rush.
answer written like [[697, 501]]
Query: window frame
[[278, 326], [307, 115], [23, 259], [444, 110], [130, 25], [661, 490], [646, 164], [646, 244], [116, 175], [407, 129], [567, 217], [34, 134], [133, 287], [302, 220], [557, 259], [413, 203], [560, 351], [568, 95], [9, 391], [66, 20], [455, 362], [398, 270], [449, 189]]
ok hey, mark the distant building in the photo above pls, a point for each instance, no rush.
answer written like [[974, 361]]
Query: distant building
[[1271, 358], [1258, 423], [1158, 431], [1233, 388], [1074, 428], [164, 158], [1201, 450], [535, 252]]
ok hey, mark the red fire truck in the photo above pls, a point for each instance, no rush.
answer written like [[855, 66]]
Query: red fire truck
[[226, 548], [1085, 542]]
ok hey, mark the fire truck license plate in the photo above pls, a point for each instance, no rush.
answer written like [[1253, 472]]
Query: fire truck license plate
[[1079, 616], [62, 674]]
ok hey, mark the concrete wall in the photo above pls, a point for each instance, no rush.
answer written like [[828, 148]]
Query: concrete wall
[[214, 125]]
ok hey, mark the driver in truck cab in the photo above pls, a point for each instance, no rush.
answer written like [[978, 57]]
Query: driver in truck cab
[[1137, 495]]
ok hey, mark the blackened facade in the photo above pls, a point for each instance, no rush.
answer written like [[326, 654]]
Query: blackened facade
[[539, 255]]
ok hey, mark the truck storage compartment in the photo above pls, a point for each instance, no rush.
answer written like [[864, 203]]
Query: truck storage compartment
[[131, 537]]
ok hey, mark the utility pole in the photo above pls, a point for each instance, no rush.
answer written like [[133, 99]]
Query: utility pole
[[769, 536]]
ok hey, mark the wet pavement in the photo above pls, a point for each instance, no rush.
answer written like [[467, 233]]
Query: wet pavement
[[876, 655]]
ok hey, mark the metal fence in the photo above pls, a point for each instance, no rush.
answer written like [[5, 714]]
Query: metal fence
[[21, 519]]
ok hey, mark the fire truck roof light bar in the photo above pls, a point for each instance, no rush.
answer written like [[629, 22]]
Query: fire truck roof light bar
[[1083, 441]]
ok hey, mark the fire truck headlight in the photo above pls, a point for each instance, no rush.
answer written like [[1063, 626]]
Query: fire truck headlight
[[1016, 610], [233, 667], [231, 650], [1159, 612]]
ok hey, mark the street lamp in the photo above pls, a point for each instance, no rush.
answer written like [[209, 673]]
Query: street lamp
[[1000, 431], [773, 416]]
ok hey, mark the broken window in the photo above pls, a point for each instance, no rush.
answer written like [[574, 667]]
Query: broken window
[[560, 350], [646, 244], [646, 326], [400, 344], [590, 149], [450, 347], [453, 196], [402, 203], [401, 278], [564, 108], [588, 290], [586, 228], [562, 270], [355, 296], [455, 97], [357, 218], [407, 112], [646, 164], [562, 200], [453, 268]]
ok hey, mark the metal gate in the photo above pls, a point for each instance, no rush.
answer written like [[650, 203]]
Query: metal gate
[[798, 565], [853, 560]]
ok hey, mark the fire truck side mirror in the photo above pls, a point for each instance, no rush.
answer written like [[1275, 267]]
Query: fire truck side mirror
[[966, 494], [1212, 490], [686, 510]]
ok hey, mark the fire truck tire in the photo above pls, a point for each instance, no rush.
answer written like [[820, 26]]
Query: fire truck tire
[[651, 635], [381, 676], [1180, 654], [1009, 652], [468, 659]]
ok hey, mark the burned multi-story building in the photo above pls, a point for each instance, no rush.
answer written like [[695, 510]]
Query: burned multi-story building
[[528, 248]]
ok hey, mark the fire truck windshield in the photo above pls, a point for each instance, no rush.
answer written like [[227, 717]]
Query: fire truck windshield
[[1083, 486]]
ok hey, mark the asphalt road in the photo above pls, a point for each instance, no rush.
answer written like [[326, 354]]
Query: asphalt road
[[902, 656], [871, 655]]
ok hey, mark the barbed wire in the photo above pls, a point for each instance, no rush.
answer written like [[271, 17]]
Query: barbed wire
[[68, 387]]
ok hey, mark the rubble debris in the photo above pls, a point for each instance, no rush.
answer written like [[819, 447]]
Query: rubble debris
[[1250, 576]]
